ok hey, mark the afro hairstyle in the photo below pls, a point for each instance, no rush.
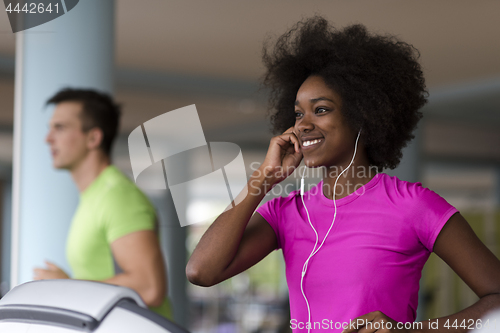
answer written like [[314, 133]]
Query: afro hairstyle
[[377, 76]]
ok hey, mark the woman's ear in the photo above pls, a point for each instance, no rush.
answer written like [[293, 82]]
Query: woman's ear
[[94, 138]]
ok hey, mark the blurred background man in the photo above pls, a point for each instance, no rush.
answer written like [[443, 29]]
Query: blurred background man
[[112, 236]]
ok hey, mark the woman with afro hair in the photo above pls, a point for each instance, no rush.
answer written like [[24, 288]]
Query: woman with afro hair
[[347, 101]]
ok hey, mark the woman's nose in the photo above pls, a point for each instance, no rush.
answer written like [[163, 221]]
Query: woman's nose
[[305, 124]]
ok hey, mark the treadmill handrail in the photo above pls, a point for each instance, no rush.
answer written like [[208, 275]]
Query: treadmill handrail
[[155, 318], [48, 315], [99, 297]]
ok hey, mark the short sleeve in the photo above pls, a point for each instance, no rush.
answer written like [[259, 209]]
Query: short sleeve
[[430, 212], [270, 212], [126, 210]]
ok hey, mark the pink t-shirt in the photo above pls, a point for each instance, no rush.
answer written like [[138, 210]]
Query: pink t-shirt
[[373, 257]]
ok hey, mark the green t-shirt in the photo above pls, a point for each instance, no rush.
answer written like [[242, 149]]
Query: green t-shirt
[[110, 208]]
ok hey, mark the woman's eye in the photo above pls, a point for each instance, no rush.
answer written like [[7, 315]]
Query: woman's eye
[[298, 114], [321, 110]]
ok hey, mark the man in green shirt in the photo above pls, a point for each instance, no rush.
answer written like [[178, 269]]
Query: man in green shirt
[[112, 236]]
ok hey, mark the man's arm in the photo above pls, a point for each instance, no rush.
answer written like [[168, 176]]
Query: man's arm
[[52, 272], [139, 256]]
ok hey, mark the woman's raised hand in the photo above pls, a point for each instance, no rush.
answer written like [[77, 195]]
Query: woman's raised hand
[[283, 157]]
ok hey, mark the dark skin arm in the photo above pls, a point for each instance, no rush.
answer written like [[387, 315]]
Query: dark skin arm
[[237, 239], [461, 249]]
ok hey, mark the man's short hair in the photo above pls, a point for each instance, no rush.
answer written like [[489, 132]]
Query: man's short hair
[[98, 110]]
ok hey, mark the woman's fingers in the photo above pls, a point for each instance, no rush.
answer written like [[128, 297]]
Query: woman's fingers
[[290, 136], [371, 322], [291, 130], [284, 154], [287, 140]]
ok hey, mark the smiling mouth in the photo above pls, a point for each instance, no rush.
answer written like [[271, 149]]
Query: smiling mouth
[[311, 142]]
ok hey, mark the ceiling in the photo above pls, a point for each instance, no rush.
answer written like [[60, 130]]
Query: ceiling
[[458, 39], [219, 42]]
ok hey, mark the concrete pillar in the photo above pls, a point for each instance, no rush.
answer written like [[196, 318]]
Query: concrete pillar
[[6, 189], [76, 50], [173, 242], [410, 167], [497, 187]]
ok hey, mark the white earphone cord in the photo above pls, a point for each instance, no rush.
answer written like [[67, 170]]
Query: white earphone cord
[[314, 250]]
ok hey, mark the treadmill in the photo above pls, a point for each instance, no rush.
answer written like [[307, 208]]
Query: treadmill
[[69, 306]]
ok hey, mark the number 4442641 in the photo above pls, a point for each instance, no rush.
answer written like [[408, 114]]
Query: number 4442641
[[471, 324], [33, 8]]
